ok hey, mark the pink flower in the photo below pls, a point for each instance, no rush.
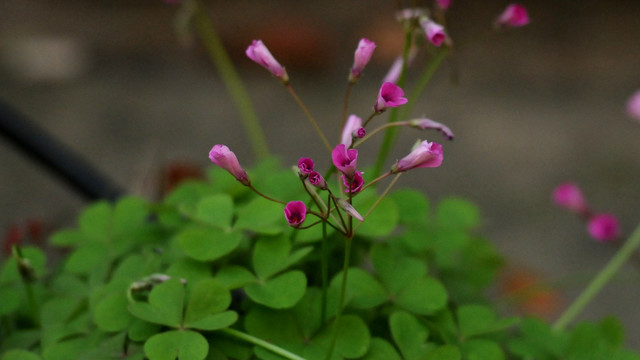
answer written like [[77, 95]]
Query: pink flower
[[569, 196], [305, 165], [434, 32], [426, 124], [360, 133], [633, 105], [295, 213], [226, 159], [390, 95], [354, 185], [352, 125], [345, 160], [515, 15], [426, 154], [396, 68], [443, 4], [317, 180], [604, 227], [259, 53], [361, 58]]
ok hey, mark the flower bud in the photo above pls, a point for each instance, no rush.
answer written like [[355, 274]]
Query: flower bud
[[259, 53], [361, 58], [317, 180], [353, 124], [569, 196], [226, 159], [390, 95], [515, 15], [354, 185], [305, 165], [433, 31], [295, 213], [604, 227], [426, 154], [426, 124], [344, 205]]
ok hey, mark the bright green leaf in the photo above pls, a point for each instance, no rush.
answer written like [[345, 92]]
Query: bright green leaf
[[381, 221], [189, 269], [413, 206], [215, 321], [129, 213], [96, 220], [457, 213], [281, 292], [141, 330], [261, 216], [380, 349], [85, 259], [67, 237], [233, 277], [10, 300], [164, 306], [176, 344], [18, 354], [207, 297], [363, 290], [215, 210], [409, 335], [477, 349], [424, 296], [111, 313], [208, 244], [270, 255], [396, 272]]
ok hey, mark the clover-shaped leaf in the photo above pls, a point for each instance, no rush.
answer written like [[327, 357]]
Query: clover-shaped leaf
[[281, 292], [409, 335], [381, 221], [476, 320], [208, 243], [19, 354], [424, 296], [363, 290], [207, 300], [110, 314], [233, 277], [177, 344], [215, 210], [396, 272], [413, 206], [477, 349], [165, 304], [381, 349], [273, 254], [261, 216]]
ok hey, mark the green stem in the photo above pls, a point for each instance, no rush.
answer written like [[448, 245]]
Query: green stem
[[619, 259], [262, 343], [324, 265], [343, 290], [310, 117], [384, 193], [424, 79], [231, 79]]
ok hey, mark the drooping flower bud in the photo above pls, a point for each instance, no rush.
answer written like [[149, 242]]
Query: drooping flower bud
[[633, 105], [295, 212], [361, 58], [354, 185], [426, 154], [433, 31], [426, 124], [345, 160], [353, 124], [604, 227], [259, 53], [360, 133], [569, 196], [390, 95], [317, 180], [515, 15], [305, 165], [226, 159], [344, 205]]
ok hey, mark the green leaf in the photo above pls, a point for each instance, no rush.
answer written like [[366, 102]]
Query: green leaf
[[215, 210], [111, 313], [270, 255], [207, 297], [363, 290], [352, 337], [65, 350], [67, 237], [381, 349], [479, 319], [477, 349], [208, 244], [381, 221], [141, 330], [424, 296], [96, 220], [165, 304], [445, 352], [308, 312], [233, 277], [36, 258], [396, 272], [409, 335], [281, 292], [233, 349], [10, 300], [457, 213], [261, 216], [413, 206], [176, 344], [129, 213], [215, 321], [84, 259], [18, 354], [612, 331], [189, 270]]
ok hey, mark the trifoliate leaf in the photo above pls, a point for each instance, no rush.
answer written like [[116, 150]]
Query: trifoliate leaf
[[281, 292], [177, 344]]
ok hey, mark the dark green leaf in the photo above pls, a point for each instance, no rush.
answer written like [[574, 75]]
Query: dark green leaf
[[208, 244], [409, 335], [17, 354], [396, 272], [111, 313], [129, 213], [380, 349], [270, 256], [177, 344], [363, 290], [85, 259], [413, 206], [207, 297], [424, 296], [165, 304], [445, 352], [457, 213], [477, 349], [281, 292], [141, 330], [233, 277], [479, 319], [10, 300], [381, 221]]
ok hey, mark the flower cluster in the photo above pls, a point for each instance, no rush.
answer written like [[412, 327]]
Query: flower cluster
[[601, 226]]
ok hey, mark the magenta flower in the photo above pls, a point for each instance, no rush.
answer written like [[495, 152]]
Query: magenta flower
[[295, 213], [259, 53], [604, 227], [226, 159], [443, 4], [352, 125], [361, 58], [426, 124], [317, 180], [390, 95], [425, 155], [360, 133], [569, 196], [434, 32], [345, 160], [515, 15], [354, 185], [305, 165], [633, 105]]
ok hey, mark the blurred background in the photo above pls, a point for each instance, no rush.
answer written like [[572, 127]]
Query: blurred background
[[531, 108]]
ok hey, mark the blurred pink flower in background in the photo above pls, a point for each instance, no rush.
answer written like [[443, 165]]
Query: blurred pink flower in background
[[569, 196], [515, 15], [633, 105], [604, 227]]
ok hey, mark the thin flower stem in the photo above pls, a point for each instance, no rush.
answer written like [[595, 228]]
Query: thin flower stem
[[343, 290], [265, 196], [424, 79], [376, 180], [324, 265], [262, 343], [215, 49], [366, 122], [386, 191], [345, 107], [612, 267], [378, 129], [309, 116]]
